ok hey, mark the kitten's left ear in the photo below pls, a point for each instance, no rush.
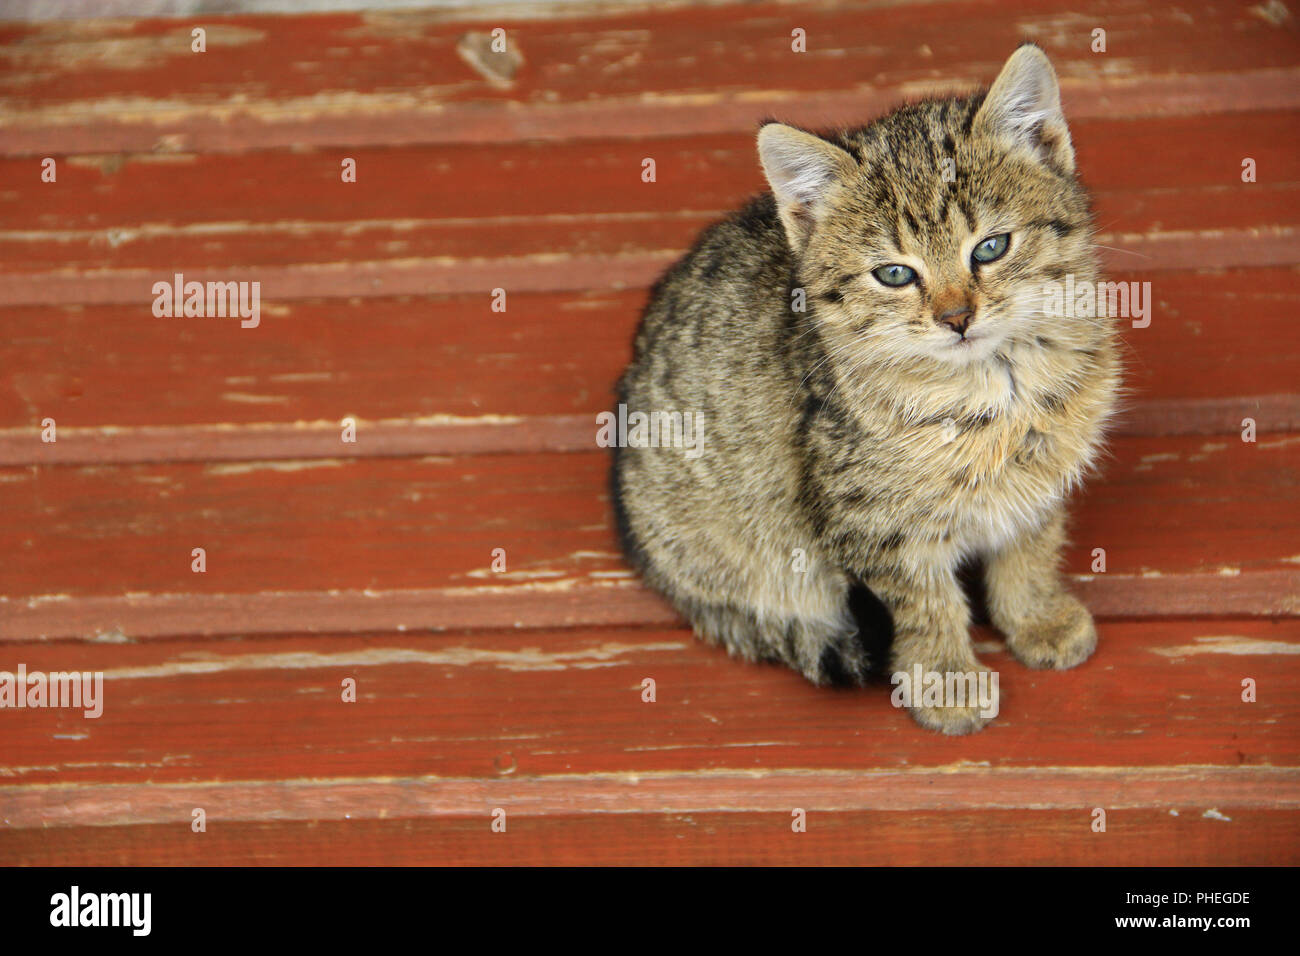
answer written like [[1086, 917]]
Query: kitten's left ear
[[801, 169], [1024, 107]]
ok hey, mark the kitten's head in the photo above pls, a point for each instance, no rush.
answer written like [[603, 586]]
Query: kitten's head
[[931, 234]]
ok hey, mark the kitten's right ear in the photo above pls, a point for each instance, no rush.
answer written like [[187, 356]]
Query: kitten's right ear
[[1023, 107], [801, 168]]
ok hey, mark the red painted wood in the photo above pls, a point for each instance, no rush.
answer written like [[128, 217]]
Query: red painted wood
[[404, 119], [559, 602], [1167, 505], [1157, 251], [1213, 336], [985, 838], [1218, 507], [440, 435], [556, 354], [1152, 229], [434, 435], [284, 188], [553, 721], [913, 790], [289, 55], [130, 221], [405, 82]]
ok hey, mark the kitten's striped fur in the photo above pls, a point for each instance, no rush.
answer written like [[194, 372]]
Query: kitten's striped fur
[[873, 432]]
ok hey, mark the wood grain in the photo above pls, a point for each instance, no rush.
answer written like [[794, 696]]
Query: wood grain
[[445, 375], [414, 222], [1193, 520], [395, 78], [453, 724], [923, 838]]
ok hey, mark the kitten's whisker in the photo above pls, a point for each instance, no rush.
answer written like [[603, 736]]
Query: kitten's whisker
[[1127, 252]]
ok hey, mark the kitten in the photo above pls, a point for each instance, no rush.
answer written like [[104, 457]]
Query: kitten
[[883, 394]]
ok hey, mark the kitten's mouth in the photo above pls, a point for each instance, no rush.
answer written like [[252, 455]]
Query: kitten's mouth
[[969, 346]]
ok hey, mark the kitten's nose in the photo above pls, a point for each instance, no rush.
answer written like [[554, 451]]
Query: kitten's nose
[[958, 320]]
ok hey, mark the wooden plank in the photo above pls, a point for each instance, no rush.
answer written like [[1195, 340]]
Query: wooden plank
[[143, 195], [552, 727], [412, 224], [927, 838], [437, 360], [529, 379], [925, 788], [429, 435], [1203, 526], [1146, 231], [560, 602], [1217, 247], [497, 434], [267, 81], [553, 721]]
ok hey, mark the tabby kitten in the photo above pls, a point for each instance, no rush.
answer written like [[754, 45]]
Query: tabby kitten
[[884, 394]]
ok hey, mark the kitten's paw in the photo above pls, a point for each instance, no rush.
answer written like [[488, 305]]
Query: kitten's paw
[[1060, 637], [953, 721], [963, 703]]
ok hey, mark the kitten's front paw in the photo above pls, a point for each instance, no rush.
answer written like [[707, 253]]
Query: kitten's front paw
[[953, 721], [1060, 637], [955, 700]]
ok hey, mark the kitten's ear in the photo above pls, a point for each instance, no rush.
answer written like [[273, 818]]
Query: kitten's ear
[[1024, 107], [801, 168]]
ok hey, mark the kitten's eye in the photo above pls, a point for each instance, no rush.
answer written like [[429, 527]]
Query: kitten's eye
[[992, 248], [894, 275]]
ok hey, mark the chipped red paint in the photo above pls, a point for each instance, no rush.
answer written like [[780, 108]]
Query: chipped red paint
[[511, 712], [549, 362], [1174, 515]]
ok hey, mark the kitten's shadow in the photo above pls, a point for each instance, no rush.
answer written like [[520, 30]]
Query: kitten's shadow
[[876, 626]]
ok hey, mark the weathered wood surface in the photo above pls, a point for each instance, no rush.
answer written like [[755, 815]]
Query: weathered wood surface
[[849, 838], [1207, 243], [396, 78], [1188, 525], [447, 729], [511, 712], [476, 431], [446, 375], [120, 213]]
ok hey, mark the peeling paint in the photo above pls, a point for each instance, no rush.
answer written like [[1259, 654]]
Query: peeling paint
[[70, 47], [1274, 12], [514, 575], [1228, 644], [498, 68], [1280, 442], [297, 464], [524, 659], [247, 399]]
